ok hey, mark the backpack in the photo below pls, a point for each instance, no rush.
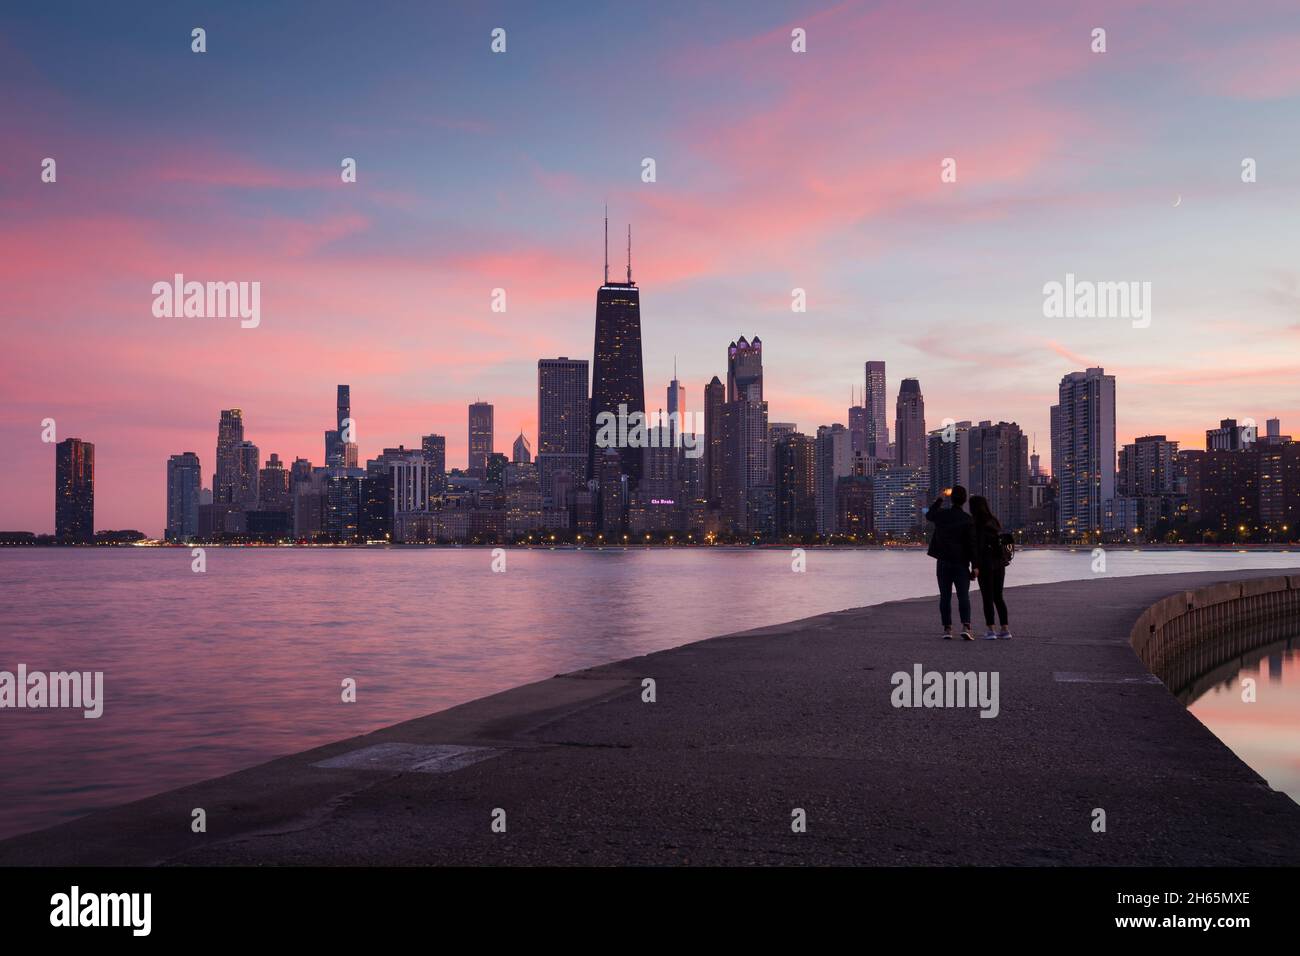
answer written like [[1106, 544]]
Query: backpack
[[1008, 545]]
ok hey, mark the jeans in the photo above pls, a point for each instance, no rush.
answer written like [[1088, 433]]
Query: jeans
[[991, 583], [953, 573]]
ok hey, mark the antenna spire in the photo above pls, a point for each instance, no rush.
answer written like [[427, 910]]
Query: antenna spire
[[629, 253], [606, 243]]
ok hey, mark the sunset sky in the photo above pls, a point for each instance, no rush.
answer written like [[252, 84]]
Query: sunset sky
[[775, 170]]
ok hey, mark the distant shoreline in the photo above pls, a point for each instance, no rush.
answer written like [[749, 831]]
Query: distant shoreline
[[655, 546]]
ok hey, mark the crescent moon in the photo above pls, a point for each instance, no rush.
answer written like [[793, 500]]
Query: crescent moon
[[1179, 201]]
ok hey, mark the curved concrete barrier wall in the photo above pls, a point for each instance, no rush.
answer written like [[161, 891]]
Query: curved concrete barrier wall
[[1190, 633]]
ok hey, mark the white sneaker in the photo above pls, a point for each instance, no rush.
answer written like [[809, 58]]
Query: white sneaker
[[966, 634], [990, 636], [1005, 635]]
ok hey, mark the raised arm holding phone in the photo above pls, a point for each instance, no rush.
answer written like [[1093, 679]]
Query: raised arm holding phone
[[952, 545]]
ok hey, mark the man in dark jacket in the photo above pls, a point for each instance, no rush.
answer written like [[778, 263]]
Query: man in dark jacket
[[953, 547]]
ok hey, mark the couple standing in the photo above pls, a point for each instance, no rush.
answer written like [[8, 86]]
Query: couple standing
[[965, 546]]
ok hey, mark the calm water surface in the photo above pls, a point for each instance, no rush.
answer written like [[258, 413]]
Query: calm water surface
[[208, 673], [1263, 731]]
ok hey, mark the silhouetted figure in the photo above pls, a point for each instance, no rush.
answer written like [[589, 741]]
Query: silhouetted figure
[[953, 548], [990, 566]]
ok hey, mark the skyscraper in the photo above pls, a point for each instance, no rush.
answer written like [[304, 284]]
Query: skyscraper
[[676, 408], [230, 435], [336, 439], [248, 459], [563, 425], [875, 403], [617, 381], [746, 462], [858, 429], [1083, 450], [999, 470], [74, 492], [948, 458], [794, 486], [480, 438], [520, 453], [273, 486], [909, 425], [341, 520], [184, 480], [715, 398], [834, 460], [435, 455], [745, 370]]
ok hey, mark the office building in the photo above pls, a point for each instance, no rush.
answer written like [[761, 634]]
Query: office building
[[74, 492]]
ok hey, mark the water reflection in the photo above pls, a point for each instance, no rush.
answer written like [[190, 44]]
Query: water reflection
[[1251, 703]]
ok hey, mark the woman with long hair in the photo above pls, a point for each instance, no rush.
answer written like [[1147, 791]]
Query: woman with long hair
[[990, 566]]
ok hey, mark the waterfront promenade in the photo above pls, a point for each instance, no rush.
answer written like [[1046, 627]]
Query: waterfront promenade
[[744, 730]]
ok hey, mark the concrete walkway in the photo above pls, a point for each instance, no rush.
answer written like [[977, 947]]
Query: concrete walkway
[[745, 729]]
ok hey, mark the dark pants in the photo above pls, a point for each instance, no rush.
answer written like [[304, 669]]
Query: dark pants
[[991, 581], [953, 573]]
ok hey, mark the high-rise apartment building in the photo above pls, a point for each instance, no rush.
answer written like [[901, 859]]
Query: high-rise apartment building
[[1083, 450], [184, 483], [794, 486], [948, 457], [999, 471], [74, 492]]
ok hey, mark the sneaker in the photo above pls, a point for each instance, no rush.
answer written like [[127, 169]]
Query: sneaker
[[947, 635], [966, 636], [1005, 635], [991, 635]]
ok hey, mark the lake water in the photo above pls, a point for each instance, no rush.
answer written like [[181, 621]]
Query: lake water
[[213, 672]]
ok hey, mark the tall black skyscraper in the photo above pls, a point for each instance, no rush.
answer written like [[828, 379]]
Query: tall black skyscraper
[[909, 426], [74, 492], [616, 374], [335, 438]]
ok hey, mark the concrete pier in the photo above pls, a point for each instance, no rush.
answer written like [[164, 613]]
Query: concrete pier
[[747, 729]]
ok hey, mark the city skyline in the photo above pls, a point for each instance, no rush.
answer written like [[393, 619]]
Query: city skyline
[[746, 444], [389, 286], [1132, 474]]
